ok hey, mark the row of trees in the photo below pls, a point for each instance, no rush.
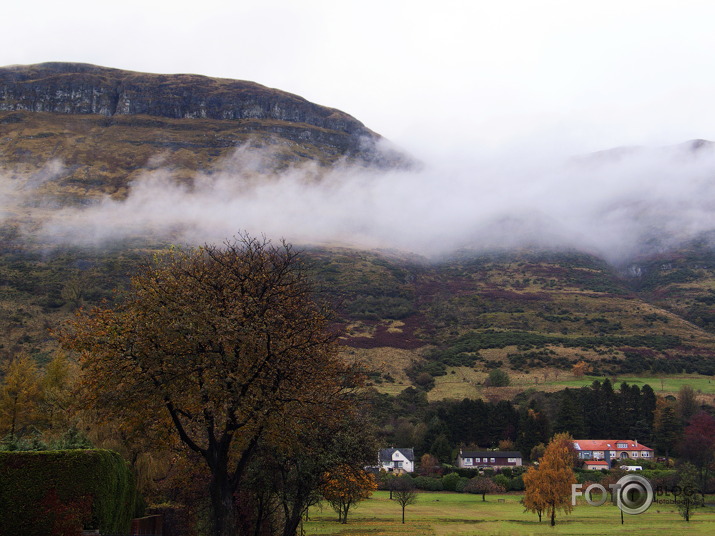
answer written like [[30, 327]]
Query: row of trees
[[35, 400], [596, 411]]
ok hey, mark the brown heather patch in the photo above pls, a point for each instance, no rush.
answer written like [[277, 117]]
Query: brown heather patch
[[383, 333]]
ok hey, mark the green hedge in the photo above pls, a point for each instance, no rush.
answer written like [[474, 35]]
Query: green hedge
[[58, 492]]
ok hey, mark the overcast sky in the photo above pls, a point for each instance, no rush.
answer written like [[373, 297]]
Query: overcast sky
[[443, 76], [493, 97]]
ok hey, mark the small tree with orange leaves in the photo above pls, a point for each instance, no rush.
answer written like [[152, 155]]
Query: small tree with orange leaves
[[346, 486], [548, 487], [581, 368]]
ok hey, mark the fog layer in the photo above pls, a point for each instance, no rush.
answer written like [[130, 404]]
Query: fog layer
[[616, 204]]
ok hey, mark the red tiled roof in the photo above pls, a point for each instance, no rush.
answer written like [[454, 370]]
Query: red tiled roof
[[607, 444], [596, 462]]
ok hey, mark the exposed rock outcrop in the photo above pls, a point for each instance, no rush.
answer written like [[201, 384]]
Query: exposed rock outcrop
[[75, 88]]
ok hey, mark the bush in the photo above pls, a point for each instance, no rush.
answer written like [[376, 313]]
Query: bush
[[468, 473], [461, 484], [498, 378], [53, 492], [450, 481], [427, 483], [516, 484], [502, 481]]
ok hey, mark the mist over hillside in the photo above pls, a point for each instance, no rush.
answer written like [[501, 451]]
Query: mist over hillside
[[93, 154], [617, 205]]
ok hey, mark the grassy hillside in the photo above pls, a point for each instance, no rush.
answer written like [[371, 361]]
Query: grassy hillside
[[439, 325], [93, 155]]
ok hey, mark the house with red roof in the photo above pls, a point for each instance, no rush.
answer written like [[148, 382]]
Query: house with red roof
[[608, 451]]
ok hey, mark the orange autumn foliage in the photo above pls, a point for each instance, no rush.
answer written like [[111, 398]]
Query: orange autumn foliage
[[345, 486], [548, 487]]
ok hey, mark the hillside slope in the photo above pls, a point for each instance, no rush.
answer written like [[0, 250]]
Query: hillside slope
[[72, 134]]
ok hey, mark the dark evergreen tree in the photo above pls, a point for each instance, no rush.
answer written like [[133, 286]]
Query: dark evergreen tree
[[647, 406], [629, 406], [569, 418], [503, 422], [610, 405], [667, 429], [598, 422], [533, 429], [441, 449], [435, 428], [468, 421]]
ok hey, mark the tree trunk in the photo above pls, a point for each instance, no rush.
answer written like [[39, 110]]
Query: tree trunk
[[223, 507], [292, 522], [553, 517], [403, 515], [345, 514]]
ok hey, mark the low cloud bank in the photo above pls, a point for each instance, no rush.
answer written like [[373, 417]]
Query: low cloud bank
[[616, 204]]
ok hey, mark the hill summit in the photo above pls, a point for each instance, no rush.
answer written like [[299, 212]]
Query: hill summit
[[104, 123]]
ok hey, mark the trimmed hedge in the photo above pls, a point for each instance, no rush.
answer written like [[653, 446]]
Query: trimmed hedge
[[60, 492]]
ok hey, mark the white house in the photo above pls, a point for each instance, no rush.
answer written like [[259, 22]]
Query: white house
[[488, 459], [399, 460]]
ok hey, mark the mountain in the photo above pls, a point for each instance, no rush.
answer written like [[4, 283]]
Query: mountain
[[106, 125], [74, 134]]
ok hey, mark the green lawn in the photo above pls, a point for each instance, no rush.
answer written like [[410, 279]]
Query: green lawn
[[445, 514], [670, 384]]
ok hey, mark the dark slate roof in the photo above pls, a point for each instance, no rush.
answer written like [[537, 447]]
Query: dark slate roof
[[385, 455], [490, 454]]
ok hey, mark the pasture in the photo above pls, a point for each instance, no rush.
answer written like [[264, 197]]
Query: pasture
[[462, 514]]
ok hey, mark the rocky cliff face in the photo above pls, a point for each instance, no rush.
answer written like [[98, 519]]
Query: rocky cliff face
[[72, 88], [102, 128]]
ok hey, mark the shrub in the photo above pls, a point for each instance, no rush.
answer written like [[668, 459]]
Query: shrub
[[450, 481], [467, 473], [427, 483], [58, 492], [498, 378], [516, 484], [502, 481], [461, 484]]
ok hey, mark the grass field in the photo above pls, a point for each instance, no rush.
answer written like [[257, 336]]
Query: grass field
[[445, 514], [467, 383]]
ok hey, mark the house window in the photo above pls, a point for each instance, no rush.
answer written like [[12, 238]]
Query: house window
[[613, 454], [491, 460], [622, 445], [634, 454], [478, 460], [511, 460], [468, 461], [586, 455], [645, 454], [398, 465]]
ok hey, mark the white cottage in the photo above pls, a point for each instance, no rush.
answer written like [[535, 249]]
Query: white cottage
[[395, 460]]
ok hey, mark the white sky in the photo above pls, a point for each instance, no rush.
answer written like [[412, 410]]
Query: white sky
[[440, 77]]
